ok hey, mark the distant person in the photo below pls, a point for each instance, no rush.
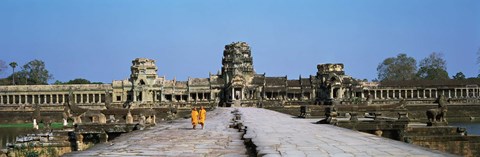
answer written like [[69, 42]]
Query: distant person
[[203, 116], [194, 117]]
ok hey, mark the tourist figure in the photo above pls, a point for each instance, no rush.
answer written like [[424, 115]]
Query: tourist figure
[[202, 117], [194, 117]]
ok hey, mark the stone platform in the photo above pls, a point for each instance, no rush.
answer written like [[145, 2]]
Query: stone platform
[[277, 134]]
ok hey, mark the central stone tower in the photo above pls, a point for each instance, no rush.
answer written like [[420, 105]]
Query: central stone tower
[[143, 75], [237, 69]]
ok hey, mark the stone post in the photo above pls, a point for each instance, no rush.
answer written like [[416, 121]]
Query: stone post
[[35, 125], [154, 119], [65, 123], [129, 118]]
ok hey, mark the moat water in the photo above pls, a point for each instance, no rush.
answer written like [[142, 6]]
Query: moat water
[[8, 135], [472, 128]]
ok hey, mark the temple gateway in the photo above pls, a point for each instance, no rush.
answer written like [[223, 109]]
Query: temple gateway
[[236, 84]]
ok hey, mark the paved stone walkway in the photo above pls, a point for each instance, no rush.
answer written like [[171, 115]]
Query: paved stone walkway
[[177, 139], [277, 134], [274, 134]]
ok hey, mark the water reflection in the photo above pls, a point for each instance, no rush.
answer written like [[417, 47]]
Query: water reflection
[[472, 128], [7, 135]]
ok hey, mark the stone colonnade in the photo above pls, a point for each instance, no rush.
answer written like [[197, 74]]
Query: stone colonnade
[[190, 97], [414, 93], [51, 98]]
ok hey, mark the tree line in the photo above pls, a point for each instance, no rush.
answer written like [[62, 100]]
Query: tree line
[[403, 67], [33, 73]]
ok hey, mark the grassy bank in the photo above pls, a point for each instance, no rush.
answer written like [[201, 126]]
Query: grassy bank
[[30, 125]]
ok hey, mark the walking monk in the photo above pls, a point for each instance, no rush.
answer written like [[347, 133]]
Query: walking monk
[[194, 117], [203, 115]]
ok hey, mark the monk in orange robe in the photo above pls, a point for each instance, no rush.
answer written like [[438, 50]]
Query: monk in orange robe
[[194, 117], [203, 116]]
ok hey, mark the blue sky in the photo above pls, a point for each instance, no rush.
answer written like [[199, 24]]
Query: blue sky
[[98, 39]]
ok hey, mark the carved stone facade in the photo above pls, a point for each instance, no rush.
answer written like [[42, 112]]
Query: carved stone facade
[[238, 84]]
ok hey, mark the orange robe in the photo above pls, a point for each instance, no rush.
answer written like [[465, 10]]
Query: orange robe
[[194, 117], [203, 115]]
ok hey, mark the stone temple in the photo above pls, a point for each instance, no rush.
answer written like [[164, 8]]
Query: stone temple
[[236, 84]]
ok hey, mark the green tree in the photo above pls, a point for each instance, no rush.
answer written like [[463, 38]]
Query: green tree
[[459, 76], [34, 72], [397, 68], [78, 81], [433, 67], [13, 65]]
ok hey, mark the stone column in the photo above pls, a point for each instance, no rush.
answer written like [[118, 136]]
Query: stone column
[[134, 94], [81, 98], [381, 94], [411, 93], [436, 93], [13, 99], [51, 98], [374, 94], [449, 94], [63, 98], [88, 98], [1, 99], [430, 93], [331, 93]]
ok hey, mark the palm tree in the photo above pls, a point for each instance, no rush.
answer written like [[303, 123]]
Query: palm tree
[[13, 65]]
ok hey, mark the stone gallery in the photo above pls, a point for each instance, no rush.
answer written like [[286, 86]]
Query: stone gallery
[[236, 84]]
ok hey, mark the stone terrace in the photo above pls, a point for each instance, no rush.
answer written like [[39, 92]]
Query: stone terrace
[[277, 134]]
